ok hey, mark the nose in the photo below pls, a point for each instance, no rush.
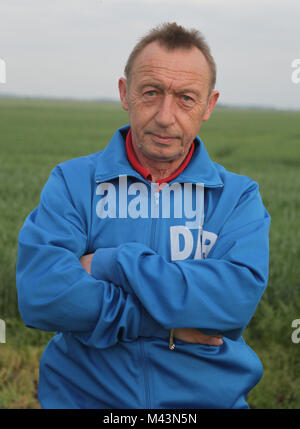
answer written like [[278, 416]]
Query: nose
[[165, 115]]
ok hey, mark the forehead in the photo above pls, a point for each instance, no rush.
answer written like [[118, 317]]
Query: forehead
[[179, 66]]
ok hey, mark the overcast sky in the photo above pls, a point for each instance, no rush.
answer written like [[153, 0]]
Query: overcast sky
[[78, 48]]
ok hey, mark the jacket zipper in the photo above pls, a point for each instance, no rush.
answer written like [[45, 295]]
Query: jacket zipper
[[171, 340], [156, 197], [154, 217], [145, 370]]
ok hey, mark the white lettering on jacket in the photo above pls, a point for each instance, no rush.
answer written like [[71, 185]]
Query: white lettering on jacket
[[182, 243]]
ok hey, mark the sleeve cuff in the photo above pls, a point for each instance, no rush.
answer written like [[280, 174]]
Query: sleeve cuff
[[103, 265]]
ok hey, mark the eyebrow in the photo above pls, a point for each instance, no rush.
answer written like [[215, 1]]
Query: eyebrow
[[183, 90], [152, 84], [187, 90]]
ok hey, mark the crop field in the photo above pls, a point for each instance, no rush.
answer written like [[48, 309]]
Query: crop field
[[35, 135]]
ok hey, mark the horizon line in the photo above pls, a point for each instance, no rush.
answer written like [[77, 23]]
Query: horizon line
[[116, 101]]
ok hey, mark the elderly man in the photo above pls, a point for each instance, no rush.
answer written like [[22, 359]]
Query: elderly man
[[147, 258]]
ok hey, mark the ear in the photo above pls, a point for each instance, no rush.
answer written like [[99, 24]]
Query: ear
[[211, 104], [123, 92]]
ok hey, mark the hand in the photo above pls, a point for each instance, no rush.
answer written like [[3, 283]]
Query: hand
[[192, 335], [86, 262]]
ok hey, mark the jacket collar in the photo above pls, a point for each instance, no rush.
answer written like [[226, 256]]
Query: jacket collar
[[113, 162]]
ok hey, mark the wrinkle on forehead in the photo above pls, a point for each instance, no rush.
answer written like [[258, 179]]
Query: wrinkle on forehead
[[152, 71], [180, 66], [171, 79]]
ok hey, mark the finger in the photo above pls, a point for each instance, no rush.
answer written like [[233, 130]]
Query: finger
[[216, 341], [211, 340]]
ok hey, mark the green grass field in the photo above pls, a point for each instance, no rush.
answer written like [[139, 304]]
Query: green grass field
[[35, 135]]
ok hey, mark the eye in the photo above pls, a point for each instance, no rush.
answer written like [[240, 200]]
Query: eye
[[187, 98], [150, 93], [186, 101]]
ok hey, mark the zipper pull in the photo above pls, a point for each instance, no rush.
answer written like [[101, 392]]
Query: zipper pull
[[171, 340]]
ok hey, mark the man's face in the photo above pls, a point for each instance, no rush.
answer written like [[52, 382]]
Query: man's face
[[167, 100]]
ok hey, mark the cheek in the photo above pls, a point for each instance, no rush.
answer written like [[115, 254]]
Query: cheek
[[190, 124], [139, 113]]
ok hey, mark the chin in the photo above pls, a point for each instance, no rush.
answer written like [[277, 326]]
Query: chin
[[162, 157]]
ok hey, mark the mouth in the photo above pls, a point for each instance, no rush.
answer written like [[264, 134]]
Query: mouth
[[163, 139]]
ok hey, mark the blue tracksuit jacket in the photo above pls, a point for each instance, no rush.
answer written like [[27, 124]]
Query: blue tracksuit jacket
[[194, 254]]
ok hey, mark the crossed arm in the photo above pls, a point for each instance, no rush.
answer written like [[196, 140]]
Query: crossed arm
[[189, 335], [217, 295], [56, 293]]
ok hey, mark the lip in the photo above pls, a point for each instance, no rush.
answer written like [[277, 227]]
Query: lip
[[162, 139]]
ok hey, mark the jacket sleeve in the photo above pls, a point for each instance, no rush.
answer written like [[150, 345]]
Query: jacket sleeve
[[216, 295], [55, 293]]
